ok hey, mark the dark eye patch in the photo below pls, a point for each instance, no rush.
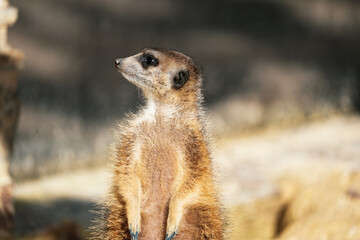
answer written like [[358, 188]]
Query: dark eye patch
[[148, 60]]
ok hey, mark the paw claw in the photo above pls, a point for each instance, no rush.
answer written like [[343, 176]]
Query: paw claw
[[134, 233], [171, 236]]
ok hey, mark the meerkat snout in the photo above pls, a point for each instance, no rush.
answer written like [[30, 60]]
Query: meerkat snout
[[118, 62]]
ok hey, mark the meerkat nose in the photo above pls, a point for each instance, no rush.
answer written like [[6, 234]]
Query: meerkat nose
[[118, 62]]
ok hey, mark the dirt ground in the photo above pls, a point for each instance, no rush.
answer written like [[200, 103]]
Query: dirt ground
[[263, 176]]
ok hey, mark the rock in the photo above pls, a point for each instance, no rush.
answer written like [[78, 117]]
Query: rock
[[257, 220], [327, 207], [296, 183]]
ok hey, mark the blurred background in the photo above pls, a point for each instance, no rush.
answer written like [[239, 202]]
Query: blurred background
[[282, 86]]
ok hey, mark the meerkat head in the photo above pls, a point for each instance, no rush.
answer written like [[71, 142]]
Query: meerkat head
[[163, 74]]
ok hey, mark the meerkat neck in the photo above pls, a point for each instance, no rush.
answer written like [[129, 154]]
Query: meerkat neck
[[169, 110]]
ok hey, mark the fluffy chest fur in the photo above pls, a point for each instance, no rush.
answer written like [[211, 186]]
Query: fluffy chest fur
[[158, 150], [159, 147]]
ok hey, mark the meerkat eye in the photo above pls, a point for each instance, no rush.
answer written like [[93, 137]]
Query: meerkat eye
[[148, 60]]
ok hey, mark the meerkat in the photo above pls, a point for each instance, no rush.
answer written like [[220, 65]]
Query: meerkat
[[163, 184]]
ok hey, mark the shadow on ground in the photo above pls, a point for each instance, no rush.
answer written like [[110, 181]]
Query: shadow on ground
[[37, 217]]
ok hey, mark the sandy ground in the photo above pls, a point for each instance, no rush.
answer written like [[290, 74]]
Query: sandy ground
[[248, 167]]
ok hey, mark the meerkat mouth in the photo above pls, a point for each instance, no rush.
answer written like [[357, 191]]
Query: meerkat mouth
[[135, 79], [130, 76]]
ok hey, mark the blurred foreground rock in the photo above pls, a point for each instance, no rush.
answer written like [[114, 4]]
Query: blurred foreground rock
[[298, 183], [323, 207], [10, 62]]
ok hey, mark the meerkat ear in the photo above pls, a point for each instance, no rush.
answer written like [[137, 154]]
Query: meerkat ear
[[180, 79]]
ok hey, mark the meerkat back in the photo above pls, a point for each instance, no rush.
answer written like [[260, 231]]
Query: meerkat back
[[163, 184]]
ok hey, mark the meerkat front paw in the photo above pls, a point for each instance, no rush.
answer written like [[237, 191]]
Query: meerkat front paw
[[134, 232], [171, 235], [173, 222], [134, 220]]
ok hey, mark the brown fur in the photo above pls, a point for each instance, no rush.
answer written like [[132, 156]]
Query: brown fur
[[163, 164]]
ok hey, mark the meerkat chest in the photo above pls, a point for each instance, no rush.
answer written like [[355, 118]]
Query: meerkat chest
[[159, 142], [160, 154], [162, 130]]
